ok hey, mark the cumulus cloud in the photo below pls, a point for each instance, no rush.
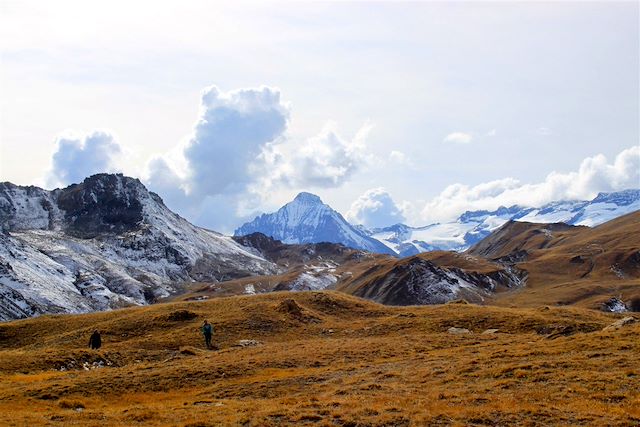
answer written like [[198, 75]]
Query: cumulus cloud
[[77, 156], [595, 174], [325, 160], [459, 137], [164, 180], [231, 132], [239, 152], [375, 208]]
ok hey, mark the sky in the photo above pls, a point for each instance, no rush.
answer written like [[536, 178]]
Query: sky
[[390, 112]]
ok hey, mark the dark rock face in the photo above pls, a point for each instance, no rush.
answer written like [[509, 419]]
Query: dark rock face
[[415, 280], [514, 257], [418, 281], [102, 204], [262, 243]]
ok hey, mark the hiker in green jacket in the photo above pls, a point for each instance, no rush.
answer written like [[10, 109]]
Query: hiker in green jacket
[[207, 331]]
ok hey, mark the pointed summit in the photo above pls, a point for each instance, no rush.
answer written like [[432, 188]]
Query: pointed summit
[[307, 220], [308, 198]]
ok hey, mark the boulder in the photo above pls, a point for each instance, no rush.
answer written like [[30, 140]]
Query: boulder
[[248, 343], [458, 331], [620, 323]]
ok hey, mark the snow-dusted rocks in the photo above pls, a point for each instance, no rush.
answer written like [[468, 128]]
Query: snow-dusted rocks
[[104, 243], [307, 220], [614, 305], [417, 281]]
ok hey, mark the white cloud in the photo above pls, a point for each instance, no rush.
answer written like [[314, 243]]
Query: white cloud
[[325, 160], [208, 178], [375, 208], [401, 159], [594, 175], [77, 156], [492, 132], [239, 153], [398, 157], [459, 137], [231, 132]]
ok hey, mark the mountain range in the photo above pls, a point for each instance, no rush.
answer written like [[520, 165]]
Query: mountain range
[[108, 242], [520, 264], [307, 220]]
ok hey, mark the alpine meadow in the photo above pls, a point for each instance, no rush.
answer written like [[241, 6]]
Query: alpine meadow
[[313, 213]]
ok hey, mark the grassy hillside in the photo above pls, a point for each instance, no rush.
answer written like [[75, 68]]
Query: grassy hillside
[[580, 265], [322, 358]]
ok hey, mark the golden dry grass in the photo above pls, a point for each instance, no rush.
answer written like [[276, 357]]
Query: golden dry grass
[[340, 361]]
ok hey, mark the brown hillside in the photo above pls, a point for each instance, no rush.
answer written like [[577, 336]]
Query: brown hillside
[[322, 358], [516, 237], [575, 265]]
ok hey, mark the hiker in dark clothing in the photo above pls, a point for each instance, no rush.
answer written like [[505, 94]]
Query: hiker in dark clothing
[[207, 331], [95, 341]]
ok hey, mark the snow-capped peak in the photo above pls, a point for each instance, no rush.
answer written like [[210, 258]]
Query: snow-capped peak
[[307, 198], [619, 198], [307, 220]]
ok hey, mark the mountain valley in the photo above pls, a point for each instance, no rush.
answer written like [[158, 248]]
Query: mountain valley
[[536, 321]]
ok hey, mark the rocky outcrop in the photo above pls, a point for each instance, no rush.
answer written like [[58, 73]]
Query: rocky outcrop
[[626, 321], [415, 280]]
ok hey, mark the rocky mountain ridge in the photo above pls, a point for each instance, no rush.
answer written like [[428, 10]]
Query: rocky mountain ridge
[[104, 243]]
